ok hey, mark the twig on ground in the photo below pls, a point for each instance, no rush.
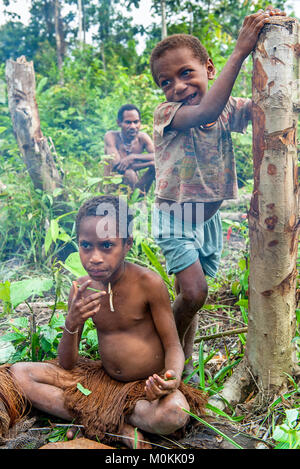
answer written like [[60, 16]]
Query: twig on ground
[[241, 330]]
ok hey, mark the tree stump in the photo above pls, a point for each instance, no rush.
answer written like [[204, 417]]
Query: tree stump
[[23, 108]]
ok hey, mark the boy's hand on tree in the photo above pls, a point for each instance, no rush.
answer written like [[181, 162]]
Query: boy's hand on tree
[[251, 28], [82, 306]]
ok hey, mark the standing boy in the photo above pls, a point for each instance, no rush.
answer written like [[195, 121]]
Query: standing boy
[[138, 381], [195, 167], [132, 150]]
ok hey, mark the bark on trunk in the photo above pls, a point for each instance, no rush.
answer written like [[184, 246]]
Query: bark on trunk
[[273, 215], [23, 108]]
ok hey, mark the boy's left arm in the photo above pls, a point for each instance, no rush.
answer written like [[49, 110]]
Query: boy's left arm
[[163, 318]]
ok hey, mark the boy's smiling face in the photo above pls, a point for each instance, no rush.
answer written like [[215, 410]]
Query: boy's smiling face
[[102, 258], [182, 77]]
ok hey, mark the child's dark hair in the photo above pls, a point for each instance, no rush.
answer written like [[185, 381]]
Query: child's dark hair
[[97, 207], [127, 107], [175, 42]]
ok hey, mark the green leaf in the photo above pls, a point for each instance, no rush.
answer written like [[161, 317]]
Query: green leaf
[[5, 291], [22, 290], [6, 352], [73, 265], [58, 320], [214, 429], [41, 85], [223, 414], [155, 262], [49, 334], [57, 191], [48, 240], [54, 228], [20, 323], [201, 366], [242, 302], [84, 391], [291, 417], [63, 236], [12, 336]]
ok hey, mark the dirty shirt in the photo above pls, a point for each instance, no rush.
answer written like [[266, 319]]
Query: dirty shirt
[[198, 165]]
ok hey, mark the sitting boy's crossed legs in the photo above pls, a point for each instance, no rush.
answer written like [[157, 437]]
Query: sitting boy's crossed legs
[[43, 385]]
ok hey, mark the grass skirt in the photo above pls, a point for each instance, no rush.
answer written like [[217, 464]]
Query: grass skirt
[[12, 402], [110, 401], [102, 411]]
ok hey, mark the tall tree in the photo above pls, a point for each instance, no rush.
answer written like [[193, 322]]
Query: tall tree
[[273, 216], [59, 35], [163, 19]]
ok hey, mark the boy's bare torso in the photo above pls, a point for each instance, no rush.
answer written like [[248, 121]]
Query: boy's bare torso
[[129, 345]]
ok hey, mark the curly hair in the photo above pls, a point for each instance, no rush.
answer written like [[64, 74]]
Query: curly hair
[[97, 206], [175, 42], [127, 107]]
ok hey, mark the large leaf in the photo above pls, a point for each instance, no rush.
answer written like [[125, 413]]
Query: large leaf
[[6, 352], [24, 289], [73, 265], [155, 262]]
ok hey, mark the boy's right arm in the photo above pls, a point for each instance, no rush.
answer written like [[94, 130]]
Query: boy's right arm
[[213, 102], [80, 308]]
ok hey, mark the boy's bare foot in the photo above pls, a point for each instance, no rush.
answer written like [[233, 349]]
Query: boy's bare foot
[[130, 437], [73, 432]]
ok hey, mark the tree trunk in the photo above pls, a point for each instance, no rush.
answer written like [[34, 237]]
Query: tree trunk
[[59, 37], [163, 19], [80, 23], [273, 216], [23, 108]]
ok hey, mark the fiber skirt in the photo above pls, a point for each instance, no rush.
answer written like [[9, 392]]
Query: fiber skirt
[[91, 396], [105, 408]]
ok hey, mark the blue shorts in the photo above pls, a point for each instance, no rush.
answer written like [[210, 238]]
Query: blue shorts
[[182, 244]]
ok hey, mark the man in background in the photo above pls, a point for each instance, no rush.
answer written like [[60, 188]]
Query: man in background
[[131, 150]]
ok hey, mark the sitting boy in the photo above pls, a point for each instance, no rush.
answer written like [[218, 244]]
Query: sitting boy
[[138, 381], [194, 161]]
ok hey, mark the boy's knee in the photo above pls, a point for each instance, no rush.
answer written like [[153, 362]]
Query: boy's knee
[[21, 372], [195, 294], [174, 417]]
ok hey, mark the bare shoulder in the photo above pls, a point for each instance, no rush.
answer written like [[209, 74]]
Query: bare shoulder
[[111, 136], [146, 278], [144, 138]]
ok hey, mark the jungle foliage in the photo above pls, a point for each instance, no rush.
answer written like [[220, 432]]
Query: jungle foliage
[[82, 80]]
